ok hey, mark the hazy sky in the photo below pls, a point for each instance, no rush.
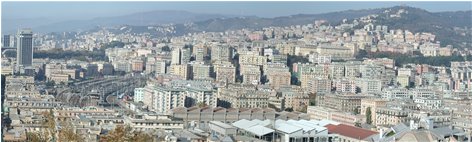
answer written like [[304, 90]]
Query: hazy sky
[[89, 10]]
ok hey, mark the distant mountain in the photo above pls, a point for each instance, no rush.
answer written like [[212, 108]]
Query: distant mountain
[[453, 28], [11, 25], [248, 22], [442, 24], [137, 19], [300, 19]]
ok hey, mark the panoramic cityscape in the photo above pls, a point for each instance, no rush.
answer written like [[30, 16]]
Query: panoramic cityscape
[[244, 71]]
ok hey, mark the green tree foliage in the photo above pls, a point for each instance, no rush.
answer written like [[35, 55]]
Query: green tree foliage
[[368, 115], [50, 83], [361, 54], [114, 44], [201, 104], [312, 97], [289, 109], [58, 53], [356, 111], [357, 124], [291, 59], [166, 48], [295, 59], [401, 59]]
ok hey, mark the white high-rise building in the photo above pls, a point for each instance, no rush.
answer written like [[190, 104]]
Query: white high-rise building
[[175, 56]]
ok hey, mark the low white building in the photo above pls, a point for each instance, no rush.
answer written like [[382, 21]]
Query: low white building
[[151, 122], [283, 130], [429, 103]]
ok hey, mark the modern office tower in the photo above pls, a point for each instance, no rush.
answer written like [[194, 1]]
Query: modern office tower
[[24, 52], [6, 41]]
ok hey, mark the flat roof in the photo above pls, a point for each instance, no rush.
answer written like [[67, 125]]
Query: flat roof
[[259, 130], [221, 124]]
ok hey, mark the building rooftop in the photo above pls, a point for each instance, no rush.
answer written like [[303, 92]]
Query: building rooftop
[[350, 131]]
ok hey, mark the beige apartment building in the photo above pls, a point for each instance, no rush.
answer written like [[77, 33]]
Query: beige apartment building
[[373, 104], [200, 71], [183, 70], [225, 73], [389, 116], [321, 113], [278, 79], [341, 102]]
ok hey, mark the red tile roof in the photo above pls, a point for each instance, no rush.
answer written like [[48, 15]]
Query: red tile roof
[[350, 131]]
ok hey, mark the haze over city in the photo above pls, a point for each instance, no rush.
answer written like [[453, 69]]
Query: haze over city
[[44, 13]]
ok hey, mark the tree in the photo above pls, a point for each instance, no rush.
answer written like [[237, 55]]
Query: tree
[[289, 109], [50, 124], [116, 135], [368, 115], [140, 136], [67, 133], [166, 48], [357, 124], [125, 134], [35, 137], [201, 104], [49, 134], [361, 54], [358, 90], [50, 83], [356, 111], [411, 85], [312, 97], [303, 108]]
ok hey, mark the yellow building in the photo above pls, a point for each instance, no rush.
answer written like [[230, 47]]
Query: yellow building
[[373, 104], [181, 70], [278, 79]]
